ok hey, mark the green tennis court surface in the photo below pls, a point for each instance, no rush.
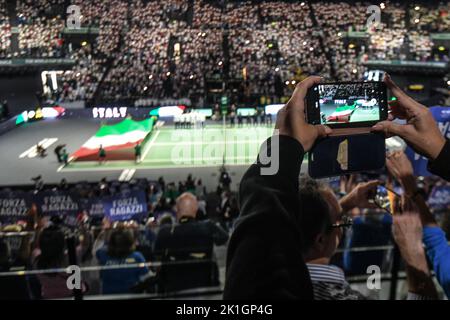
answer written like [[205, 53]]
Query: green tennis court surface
[[170, 148]]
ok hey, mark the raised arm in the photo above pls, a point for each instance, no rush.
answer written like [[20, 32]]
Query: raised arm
[[267, 238]]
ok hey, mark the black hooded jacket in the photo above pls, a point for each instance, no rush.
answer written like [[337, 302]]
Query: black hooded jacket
[[264, 259], [441, 165]]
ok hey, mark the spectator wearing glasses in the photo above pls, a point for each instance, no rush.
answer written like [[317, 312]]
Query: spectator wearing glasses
[[324, 218]]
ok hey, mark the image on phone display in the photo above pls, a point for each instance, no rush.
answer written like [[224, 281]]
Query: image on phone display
[[348, 103]]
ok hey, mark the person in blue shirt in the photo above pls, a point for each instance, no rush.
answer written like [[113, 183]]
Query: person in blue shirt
[[434, 239], [120, 250]]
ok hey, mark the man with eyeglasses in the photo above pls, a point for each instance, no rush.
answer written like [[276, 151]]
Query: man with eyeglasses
[[323, 222]]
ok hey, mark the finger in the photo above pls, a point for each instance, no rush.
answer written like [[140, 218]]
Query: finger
[[301, 89], [281, 114], [396, 91], [389, 165], [390, 128], [391, 116], [396, 110], [323, 131], [371, 184], [405, 101]]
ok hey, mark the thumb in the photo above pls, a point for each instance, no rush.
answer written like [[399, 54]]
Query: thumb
[[323, 131], [371, 184], [390, 128]]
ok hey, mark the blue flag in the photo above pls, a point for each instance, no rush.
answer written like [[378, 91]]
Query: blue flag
[[14, 206], [126, 206], [439, 197]]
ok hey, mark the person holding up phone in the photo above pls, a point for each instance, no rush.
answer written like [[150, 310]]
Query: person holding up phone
[[264, 258], [420, 131], [436, 247]]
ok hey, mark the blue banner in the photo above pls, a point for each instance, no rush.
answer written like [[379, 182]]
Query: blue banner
[[127, 206], [439, 197], [52, 203], [442, 117], [14, 206], [94, 207]]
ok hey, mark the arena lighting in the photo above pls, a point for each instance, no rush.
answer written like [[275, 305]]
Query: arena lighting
[[39, 114], [169, 111], [416, 87], [273, 108], [246, 112], [207, 112], [52, 112]]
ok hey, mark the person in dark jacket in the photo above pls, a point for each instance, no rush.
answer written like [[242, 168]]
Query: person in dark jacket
[[421, 131], [264, 258], [187, 249]]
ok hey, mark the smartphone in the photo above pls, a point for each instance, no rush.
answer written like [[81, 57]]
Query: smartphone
[[385, 198], [347, 104]]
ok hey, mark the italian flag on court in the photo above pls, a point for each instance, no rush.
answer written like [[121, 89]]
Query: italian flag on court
[[118, 140], [343, 111]]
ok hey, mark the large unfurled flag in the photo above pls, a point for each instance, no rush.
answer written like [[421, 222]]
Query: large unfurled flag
[[118, 140], [342, 113]]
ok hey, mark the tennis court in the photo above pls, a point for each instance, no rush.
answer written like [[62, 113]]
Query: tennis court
[[197, 147]]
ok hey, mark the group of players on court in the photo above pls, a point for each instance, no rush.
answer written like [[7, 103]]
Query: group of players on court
[[233, 117]]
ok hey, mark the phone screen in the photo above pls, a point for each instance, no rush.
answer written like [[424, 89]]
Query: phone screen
[[385, 198], [347, 104]]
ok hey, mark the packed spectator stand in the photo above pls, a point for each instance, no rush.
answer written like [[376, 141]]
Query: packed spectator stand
[[179, 49]]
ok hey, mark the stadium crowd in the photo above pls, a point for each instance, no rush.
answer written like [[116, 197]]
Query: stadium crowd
[[201, 220], [155, 49], [5, 31]]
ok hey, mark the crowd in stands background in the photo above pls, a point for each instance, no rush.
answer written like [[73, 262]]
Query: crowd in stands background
[[171, 48]]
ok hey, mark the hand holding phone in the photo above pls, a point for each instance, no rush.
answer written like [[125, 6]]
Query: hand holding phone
[[347, 106]]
